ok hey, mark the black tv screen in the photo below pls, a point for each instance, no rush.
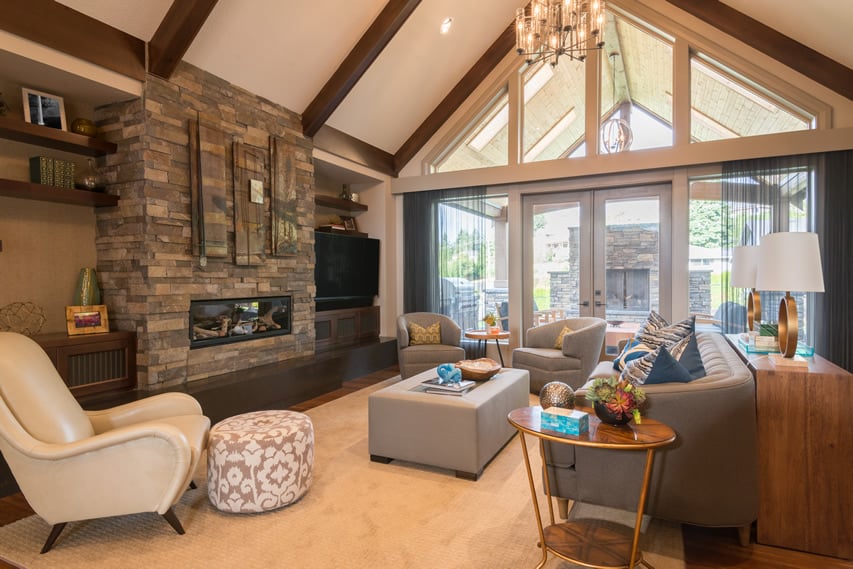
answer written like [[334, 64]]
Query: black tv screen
[[346, 270]]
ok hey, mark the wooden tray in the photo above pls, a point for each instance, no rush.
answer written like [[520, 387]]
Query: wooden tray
[[478, 370]]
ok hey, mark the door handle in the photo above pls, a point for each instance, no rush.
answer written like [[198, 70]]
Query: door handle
[[599, 303], [585, 303]]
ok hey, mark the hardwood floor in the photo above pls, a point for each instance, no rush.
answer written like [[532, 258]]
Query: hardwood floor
[[704, 548]]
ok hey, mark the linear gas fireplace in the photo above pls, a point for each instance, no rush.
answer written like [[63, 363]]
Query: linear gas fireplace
[[237, 319]]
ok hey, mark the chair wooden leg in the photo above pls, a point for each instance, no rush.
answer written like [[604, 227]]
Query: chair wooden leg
[[173, 521], [743, 533], [54, 533]]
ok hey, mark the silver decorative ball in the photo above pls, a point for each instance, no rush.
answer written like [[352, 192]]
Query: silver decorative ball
[[557, 394]]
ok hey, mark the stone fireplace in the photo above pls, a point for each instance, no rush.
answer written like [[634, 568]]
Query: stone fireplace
[[150, 276], [214, 322]]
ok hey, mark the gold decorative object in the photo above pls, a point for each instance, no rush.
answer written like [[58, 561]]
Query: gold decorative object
[[87, 291], [25, 318], [743, 275], [84, 127]]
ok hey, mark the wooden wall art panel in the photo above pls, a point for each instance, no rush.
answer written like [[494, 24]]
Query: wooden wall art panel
[[284, 202], [251, 178], [207, 181]]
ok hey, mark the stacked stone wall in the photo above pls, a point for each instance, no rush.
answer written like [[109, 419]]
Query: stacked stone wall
[[145, 255]]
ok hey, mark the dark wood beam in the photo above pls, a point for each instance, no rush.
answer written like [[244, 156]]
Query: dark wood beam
[[341, 144], [175, 35], [57, 26], [365, 52], [795, 55], [476, 75]]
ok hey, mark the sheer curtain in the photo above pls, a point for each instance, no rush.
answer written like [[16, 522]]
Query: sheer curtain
[[795, 193]]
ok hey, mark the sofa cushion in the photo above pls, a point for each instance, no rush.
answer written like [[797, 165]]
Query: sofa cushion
[[658, 366], [433, 354], [544, 358], [419, 335], [633, 349], [687, 353]]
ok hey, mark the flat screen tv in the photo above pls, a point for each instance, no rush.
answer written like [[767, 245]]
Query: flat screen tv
[[346, 271]]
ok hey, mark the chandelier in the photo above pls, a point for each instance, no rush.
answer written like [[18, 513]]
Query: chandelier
[[547, 29]]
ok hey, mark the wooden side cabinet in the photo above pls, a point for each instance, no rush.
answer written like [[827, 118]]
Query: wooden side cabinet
[[335, 328], [805, 451], [94, 363]]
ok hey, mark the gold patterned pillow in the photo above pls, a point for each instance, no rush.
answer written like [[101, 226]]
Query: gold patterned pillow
[[558, 345], [424, 334]]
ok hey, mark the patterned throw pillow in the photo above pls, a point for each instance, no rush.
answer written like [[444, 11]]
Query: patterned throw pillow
[[652, 334], [558, 345], [424, 335], [657, 366], [633, 349]]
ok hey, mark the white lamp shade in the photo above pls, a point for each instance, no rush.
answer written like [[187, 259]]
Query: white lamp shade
[[789, 262], [744, 266]]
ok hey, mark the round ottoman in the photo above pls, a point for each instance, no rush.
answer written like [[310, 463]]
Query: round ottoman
[[260, 461]]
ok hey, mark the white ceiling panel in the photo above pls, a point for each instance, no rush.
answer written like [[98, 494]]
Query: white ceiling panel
[[419, 67], [284, 51]]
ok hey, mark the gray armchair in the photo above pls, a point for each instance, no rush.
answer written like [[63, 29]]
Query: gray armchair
[[421, 357], [572, 363]]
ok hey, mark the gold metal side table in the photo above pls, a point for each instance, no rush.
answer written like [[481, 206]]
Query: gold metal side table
[[616, 545]]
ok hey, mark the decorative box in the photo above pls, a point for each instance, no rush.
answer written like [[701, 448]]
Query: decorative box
[[568, 421]]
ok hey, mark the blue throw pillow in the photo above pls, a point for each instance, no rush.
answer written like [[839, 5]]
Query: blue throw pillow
[[658, 366], [633, 349], [691, 359]]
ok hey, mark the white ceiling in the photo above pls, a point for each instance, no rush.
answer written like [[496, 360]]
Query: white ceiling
[[287, 50]]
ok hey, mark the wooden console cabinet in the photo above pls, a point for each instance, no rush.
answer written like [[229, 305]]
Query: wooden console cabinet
[[93, 363], [805, 451], [336, 328]]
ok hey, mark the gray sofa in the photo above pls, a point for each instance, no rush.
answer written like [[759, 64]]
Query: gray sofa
[[707, 477]]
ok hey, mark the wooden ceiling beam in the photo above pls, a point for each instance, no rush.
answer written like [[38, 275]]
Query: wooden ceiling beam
[[476, 75], [59, 27], [780, 47], [341, 144], [175, 34], [362, 56]]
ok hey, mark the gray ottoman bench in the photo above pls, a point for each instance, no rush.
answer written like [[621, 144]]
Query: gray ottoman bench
[[461, 433]]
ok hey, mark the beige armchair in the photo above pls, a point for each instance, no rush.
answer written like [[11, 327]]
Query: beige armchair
[[572, 362], [72, 464], [414, 359]]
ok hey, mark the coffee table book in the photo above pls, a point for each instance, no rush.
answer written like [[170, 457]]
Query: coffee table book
[[433, 385]]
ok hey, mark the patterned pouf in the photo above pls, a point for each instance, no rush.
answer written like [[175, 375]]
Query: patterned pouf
[[260, 461]]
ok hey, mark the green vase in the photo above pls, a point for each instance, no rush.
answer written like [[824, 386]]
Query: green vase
[[87, 292]]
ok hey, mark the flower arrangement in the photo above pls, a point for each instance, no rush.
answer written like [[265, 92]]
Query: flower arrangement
[[620, 396], [490, 319]]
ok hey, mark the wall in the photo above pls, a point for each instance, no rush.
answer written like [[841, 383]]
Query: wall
[[145, 261]]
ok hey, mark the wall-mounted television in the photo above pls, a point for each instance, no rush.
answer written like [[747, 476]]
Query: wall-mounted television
[[346, 271]]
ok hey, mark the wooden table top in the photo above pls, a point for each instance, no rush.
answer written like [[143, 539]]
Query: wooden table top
[[486, 335], [649, 434]]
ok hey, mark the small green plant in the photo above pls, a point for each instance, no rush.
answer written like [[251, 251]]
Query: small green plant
[[490, 319], [618, 395]]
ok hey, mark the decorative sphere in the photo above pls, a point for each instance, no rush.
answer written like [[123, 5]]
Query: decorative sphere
[[557, 394]]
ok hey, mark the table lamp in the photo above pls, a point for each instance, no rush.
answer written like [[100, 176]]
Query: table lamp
[[789, 261], [744, 269]]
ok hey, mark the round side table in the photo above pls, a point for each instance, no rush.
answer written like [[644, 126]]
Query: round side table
[[483, 337]]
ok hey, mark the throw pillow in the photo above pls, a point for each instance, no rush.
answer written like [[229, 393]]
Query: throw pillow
[[686, 351], [424, 334], [657, 366], [633, 349], [666, 335], [654, 322], [559, 343]]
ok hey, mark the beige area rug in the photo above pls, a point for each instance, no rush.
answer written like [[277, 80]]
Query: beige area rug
[[358, 514]]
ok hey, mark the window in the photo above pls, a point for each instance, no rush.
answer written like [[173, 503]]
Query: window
[[484, 141], [554, 107], [722, 106]]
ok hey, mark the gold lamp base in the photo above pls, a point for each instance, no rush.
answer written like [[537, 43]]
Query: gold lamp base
[[753, 309], [788, 326]]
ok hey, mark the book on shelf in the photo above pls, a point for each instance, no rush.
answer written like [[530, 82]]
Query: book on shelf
[[434, 383], [447, 392]]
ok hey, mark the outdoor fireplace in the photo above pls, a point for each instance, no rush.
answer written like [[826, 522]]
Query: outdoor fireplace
[[238, 319], [628, 289]]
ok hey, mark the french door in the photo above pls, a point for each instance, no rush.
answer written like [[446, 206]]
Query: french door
[[603, 253]]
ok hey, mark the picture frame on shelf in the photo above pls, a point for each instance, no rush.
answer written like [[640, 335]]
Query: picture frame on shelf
[[349, 223], [91, 319], [43, 109]]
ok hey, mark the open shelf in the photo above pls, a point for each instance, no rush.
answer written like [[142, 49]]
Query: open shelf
[[40, 192], [21, 131], [338, 203]]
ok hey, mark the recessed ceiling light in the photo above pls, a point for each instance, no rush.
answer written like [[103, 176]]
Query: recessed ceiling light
[[445, 25]]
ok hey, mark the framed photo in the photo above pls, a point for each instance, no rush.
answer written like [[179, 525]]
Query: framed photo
[[349, 223], [87, 319], [43, 109]]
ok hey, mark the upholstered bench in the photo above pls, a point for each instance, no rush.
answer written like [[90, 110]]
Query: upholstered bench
[[461, 433], [260, 461]]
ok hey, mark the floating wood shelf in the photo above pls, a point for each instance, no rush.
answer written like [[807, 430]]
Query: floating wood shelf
[[338, 203], [21, 131], [40, 192]]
